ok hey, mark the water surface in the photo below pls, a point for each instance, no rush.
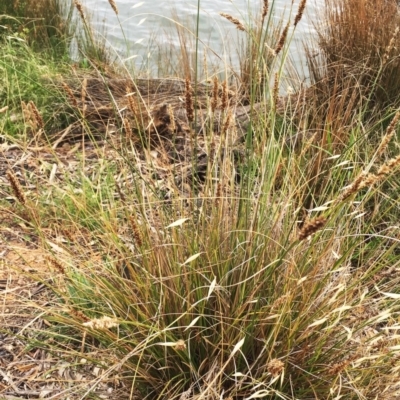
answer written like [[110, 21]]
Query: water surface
[[145, 29]]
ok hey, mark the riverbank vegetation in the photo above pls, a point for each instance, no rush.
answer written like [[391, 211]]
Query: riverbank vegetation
[[209, 238]]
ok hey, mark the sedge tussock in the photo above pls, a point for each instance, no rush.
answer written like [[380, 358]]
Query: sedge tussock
[[282, 40], [101, 323], [234, 21], [16, 187], [275, 367], [113, 6], [312, 226], [300, 12], [189, 100]]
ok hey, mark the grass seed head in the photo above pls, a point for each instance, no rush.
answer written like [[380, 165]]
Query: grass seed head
[[70, 94], [300, 12], [312, 226], [56, 265], [264, 10], [275, 367], [234, 21], [189, 100], [101, 323], [390, 131], [113, 6], [214, 99], [282, 40], [224, 98], [79, 7], [16, 187], [36, 114]]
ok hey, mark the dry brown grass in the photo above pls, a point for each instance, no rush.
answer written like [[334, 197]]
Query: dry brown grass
[[359, 44]]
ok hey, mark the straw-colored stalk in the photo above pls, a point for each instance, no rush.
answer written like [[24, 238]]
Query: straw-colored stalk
[[189, 100], [172, 123], [300, 12], [83, 97], [234, 21], [282, 40], [16, 187]]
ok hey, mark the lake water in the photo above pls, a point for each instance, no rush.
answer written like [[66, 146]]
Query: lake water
[[145, 32]]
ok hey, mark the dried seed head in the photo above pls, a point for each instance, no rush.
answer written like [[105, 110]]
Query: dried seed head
[[136, 231], [390, 131], [275, 367], [132, 103], [227, 123], [214, 99], [282, 40], [224, 98], [128, 129], [101, 323], [264, 10], [113, 6], [354, 187], [300, 12], [391, 45], [79, 7], [189, 100], [275, 90], [180, 345], [312, 226], [16, 187], [70, 94], [234, 21], [35, 112], [56, 265]]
